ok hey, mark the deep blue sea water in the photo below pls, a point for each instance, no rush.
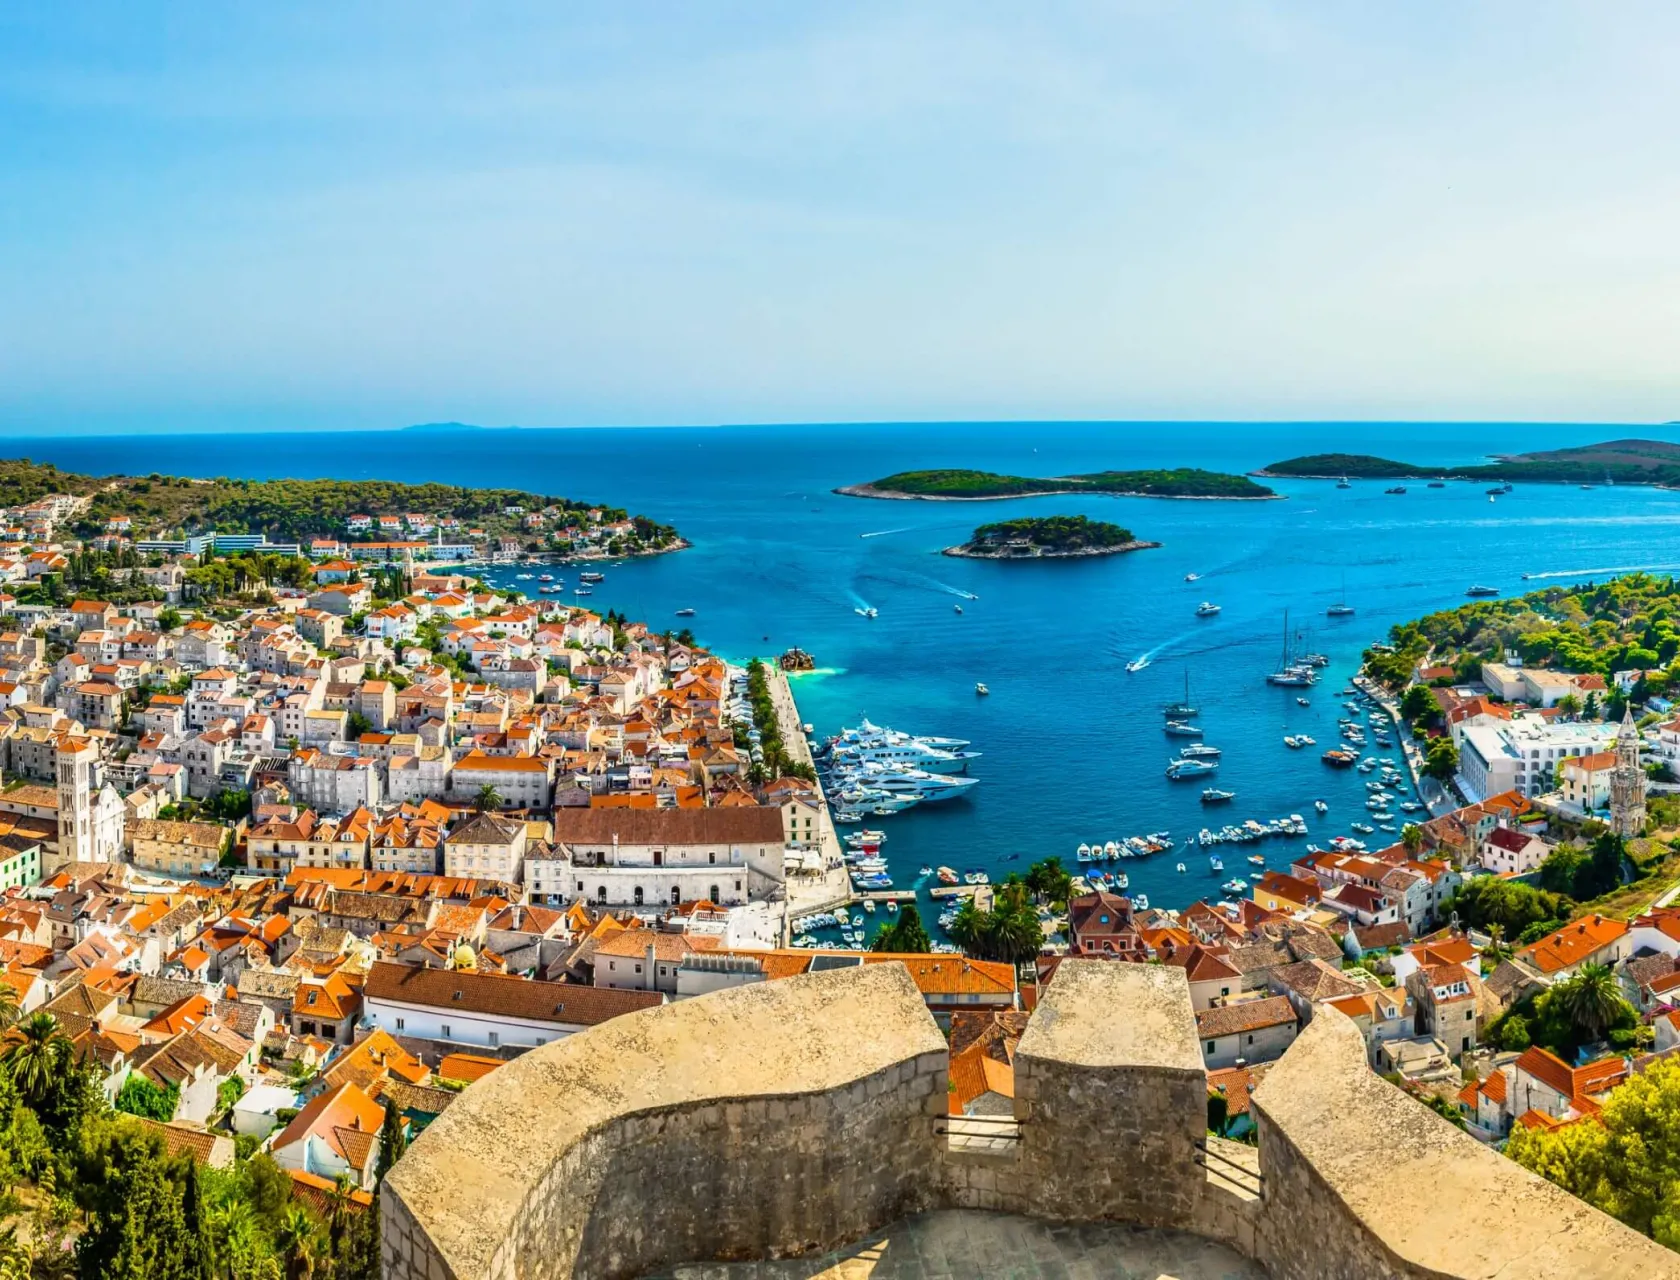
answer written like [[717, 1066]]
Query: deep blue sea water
[[1073, 746]]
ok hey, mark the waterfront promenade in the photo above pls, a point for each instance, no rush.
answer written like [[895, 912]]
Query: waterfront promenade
[[833, 888]]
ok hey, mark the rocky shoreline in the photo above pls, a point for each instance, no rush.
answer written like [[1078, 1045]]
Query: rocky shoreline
[[967, 552], [890, 495]]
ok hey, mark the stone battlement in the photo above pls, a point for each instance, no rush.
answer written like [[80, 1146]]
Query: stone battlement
[[801, 1115]]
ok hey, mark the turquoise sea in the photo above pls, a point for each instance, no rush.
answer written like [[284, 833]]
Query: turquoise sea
[[1073, 746]]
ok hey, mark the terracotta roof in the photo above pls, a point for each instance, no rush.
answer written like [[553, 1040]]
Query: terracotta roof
[[332, 1113], [499, 996], [761, 824], [1573, 943], [1245, 1016], [467, 1066]]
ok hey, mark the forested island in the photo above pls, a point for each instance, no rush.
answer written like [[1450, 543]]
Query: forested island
[[1048, 538], [155, 505], [962, 485], [1652, 462]]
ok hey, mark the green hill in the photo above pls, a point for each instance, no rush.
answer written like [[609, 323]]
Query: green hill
[[1182, 482]]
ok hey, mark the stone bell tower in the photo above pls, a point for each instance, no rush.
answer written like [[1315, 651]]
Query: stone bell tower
[[1627, 782]]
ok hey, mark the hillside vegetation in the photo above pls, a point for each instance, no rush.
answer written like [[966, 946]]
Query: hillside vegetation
[[1621, 461], [1628, 623], [285, 510], [1051, 533], [1181, 482]]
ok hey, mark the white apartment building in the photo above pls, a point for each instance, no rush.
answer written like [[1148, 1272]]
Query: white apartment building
[[656, 857], [1523, 755]]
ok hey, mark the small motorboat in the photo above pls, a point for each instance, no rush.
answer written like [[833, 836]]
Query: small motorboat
[[980, 688], [957, 607], [1192, 577], [1207, 609], [1321, 806], [925, 871], [685, 613], [1180, 868], [1137, 664]]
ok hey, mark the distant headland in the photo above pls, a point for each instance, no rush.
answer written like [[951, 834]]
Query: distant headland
[[1048, 538], [980, 486], [1648, 462]]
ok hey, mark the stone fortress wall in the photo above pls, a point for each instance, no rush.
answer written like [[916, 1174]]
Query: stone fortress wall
[[802, 1114]]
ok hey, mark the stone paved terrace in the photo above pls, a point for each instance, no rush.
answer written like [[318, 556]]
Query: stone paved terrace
[[962, 1243]]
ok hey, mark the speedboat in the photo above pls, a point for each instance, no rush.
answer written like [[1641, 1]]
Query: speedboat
[[1178, 729], [1137, 664], [1321, 806], [685, 613], [1479, 590], [957, 607], [980, 688], [1206, 609], [1180, 868], [1302, 702], [1199, 751], [1192, 577]]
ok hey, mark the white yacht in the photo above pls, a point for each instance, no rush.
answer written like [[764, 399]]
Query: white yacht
[[1200, 751], [905, 751], [918, 783], [1190, 768], [1206, 609]]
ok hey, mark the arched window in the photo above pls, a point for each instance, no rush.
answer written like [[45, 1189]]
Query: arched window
[[638, 895], [601, 894], [714, 893], [676, 895]]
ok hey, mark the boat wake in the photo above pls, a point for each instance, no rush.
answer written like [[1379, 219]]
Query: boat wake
[[1626, 568], [956, 591], [881, 533]]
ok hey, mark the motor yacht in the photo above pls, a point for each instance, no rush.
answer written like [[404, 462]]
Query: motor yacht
[[981, 689], [1213, 795], [1178, 769], [1206, 609], [901, 749], [1200, 751], [1178, 729]]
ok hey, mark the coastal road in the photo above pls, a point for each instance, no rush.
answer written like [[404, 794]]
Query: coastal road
[[834, 887]]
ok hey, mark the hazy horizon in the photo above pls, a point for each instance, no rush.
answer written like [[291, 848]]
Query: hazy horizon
[[360, 216]]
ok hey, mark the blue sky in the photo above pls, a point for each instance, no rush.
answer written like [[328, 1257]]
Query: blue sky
[[364, 215]]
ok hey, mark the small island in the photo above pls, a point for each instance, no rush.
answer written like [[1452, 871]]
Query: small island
[[1048, 538], [956, 485], [1648, 462]]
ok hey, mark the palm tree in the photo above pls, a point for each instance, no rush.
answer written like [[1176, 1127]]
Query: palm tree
[[488, 798], [9, 1010], [338, 1210], [1590, 1000], [298, 1238], [233, 1237], [1411, 836], [36, 1058]]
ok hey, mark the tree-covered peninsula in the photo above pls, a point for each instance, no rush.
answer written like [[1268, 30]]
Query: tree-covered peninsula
[[1653, 462], [964, 485], [1630, 622], [1047, 538], [155, 505]]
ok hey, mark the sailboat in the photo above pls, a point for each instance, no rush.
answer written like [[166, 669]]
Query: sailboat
[[1341, 609], [1178, 710], [1290, 671]]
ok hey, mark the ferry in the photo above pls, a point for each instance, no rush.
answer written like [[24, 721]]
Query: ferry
[[1206, 609]]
